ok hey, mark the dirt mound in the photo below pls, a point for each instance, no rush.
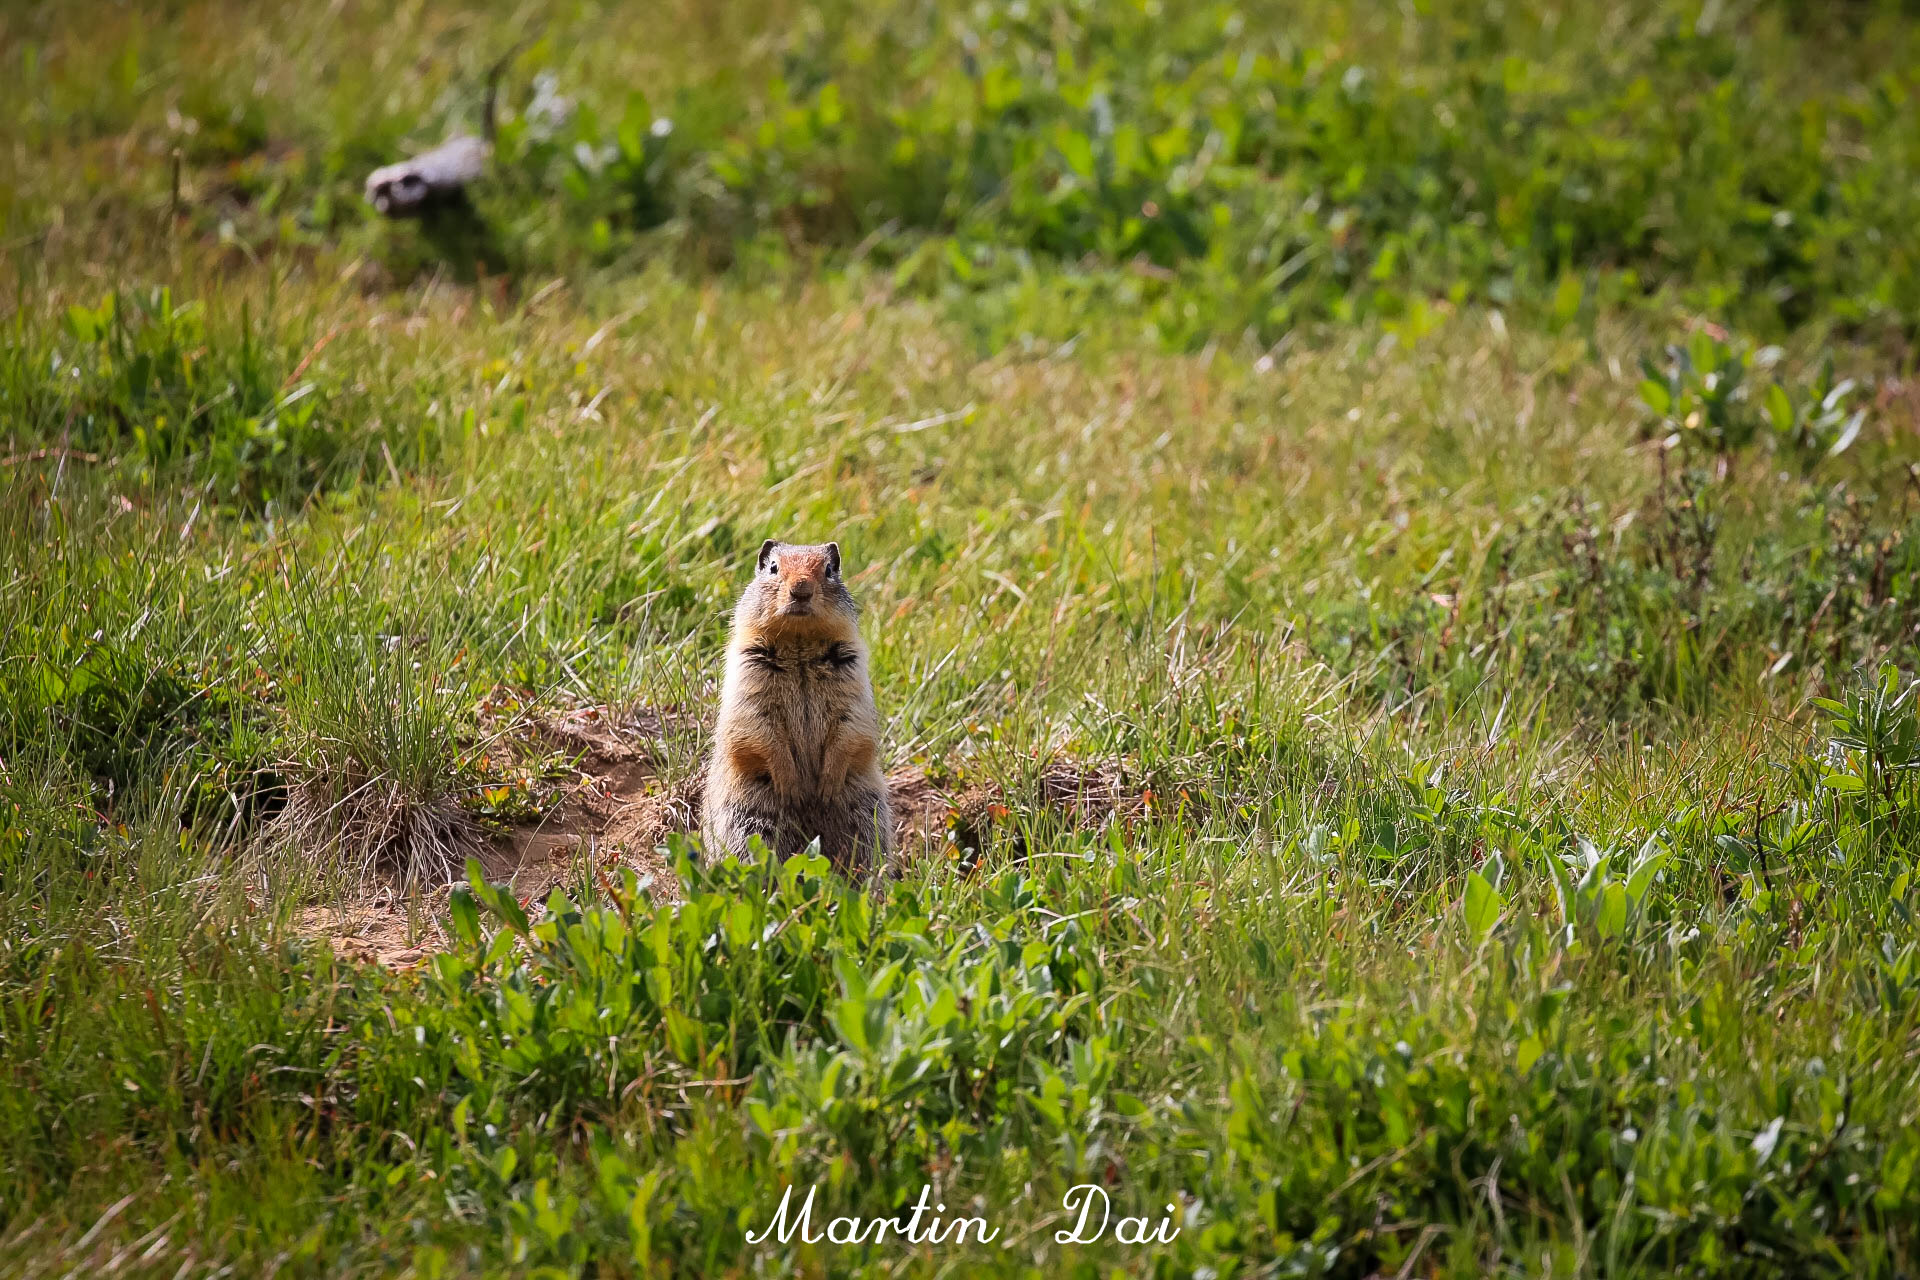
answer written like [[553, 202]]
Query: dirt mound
[[921, 810], [1086, 792], [619, 813], [605, 735]]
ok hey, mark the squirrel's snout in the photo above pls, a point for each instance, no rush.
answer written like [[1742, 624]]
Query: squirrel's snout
[[799, 599]]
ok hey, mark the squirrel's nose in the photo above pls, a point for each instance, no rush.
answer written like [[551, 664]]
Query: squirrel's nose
[[801, 589]]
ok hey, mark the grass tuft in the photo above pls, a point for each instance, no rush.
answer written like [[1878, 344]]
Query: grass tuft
[[379, 745]]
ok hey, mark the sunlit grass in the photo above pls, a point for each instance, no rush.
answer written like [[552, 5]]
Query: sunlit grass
[[1391, 821]]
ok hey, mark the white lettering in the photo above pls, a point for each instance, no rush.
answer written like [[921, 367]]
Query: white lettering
[[1084, 1193], [923, 1222], [913, 1223], [785, 1229], [981, 1234]]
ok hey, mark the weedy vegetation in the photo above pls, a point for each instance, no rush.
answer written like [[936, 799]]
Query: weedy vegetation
[[1389, 534]]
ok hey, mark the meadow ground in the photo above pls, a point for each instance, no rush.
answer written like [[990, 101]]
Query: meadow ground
[[1406, 723]]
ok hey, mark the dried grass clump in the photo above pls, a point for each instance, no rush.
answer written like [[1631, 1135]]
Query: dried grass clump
[[373, 828], [375, 766]]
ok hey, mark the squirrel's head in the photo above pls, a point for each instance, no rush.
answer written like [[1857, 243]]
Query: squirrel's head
[[798, 589]]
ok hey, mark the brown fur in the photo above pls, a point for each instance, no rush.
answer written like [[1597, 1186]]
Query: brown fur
[[797, 748]]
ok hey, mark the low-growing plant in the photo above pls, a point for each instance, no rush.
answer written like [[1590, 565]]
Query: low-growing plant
[[143, 374], [1704, 402], [1218, 173], [1875, 728], [233, 406]]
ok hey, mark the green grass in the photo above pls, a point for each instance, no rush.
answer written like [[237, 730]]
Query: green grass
[[1510, 683]]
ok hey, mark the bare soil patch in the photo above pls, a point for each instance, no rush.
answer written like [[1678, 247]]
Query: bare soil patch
[[609, 812], [620, 813]]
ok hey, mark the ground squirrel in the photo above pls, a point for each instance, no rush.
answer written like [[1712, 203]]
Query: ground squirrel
[[797, 747]]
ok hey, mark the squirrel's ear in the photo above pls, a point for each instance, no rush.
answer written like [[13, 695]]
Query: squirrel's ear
[[766, 553], [833, 558]]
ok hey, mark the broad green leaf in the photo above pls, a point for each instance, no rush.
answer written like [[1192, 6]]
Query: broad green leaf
[[1703, 352], [1563, 890], [1779, 408], [1611, 917], [1652, 860], [464, 917], [850, 1018], [1481, 905], [1527, 1053], [683, 1036]]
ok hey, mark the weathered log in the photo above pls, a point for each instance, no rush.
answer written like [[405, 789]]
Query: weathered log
[[431, 179]]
